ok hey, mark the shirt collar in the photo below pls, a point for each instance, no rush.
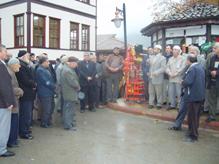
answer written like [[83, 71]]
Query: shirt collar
[[3, 62]]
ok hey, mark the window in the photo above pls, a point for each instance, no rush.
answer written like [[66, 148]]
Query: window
[[38, 31], [19, 30], [54, 33], [84, 1], [85, 37], [74, 33]]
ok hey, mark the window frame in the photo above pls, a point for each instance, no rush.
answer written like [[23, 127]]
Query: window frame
[[77, 38], [88, 37], [16, 44], [58, 39], [44, 31]]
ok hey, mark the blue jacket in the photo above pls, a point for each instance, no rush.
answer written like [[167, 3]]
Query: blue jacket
[[45, 82], [194, 83]]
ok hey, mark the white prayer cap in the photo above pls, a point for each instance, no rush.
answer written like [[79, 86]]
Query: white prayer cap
[[158, 47]]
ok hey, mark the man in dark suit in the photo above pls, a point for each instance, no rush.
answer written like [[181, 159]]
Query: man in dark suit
[[7, 102], [194, 84], [27, 84], [87, 72]]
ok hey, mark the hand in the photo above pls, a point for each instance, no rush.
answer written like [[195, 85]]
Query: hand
[[10, 107], [89, 78], [213, 73]]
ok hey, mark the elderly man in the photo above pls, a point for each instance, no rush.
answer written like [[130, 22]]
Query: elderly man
[[156, 74], [213, 83], [13, 67], [70, 86], [194, 91], [45, 91], [168, 54], [175, 67], [26, 82], [87, 72], [114, 64], [7, 102], [183, 104], [195, 50]]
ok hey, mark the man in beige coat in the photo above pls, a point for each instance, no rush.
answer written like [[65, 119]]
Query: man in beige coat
[[175, 67], [156, 76], [13, 67], [70, 86]]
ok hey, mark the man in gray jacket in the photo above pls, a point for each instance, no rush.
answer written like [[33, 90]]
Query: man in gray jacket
[[70, 87], [156, 77]]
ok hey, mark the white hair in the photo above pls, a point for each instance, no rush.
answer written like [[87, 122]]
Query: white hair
[[177, 48], [196, 49]]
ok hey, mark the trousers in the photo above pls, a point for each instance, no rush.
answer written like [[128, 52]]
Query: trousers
[[5, 123]]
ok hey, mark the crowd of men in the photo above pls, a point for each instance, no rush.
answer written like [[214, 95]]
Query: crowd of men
[[184, 81], [29, 82]]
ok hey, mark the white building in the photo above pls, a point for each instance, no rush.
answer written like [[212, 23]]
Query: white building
[[54, 27]]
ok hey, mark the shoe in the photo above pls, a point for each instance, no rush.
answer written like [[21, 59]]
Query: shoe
[[190, 140], [27, 137], [175, 128], [210, 118], [150, 106], [93, 110], [8, 154], [165, 103], [170, 108], [82, 111], [45, 126], [72, 128], [12, 145], [159, 107]]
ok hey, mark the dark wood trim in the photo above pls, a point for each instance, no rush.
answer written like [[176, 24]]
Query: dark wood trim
[[44, 29], [163, 40], [28, 26], [15, 30], [12, 3], [148, 30], [187, 36], [55, 6], [47, 48], [58, 30], [88, 37], [64, 49], [96, 28], [76, 23], [208, 33]]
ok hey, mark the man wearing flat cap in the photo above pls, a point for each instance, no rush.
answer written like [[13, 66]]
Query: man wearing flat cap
[[45, 91], [26, 82], [70, 86]]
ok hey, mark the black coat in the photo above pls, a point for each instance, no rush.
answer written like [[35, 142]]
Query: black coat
[[85, 72], [7, 97], [26, 81]]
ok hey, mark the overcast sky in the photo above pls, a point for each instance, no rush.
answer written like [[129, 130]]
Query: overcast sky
[[138, 15]]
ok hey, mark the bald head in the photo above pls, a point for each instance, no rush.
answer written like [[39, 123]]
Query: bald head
[[216, 48]]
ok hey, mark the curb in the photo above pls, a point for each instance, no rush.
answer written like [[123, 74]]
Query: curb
[[116, 107]]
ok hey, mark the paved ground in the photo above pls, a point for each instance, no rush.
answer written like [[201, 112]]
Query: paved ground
[[110, 137]]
